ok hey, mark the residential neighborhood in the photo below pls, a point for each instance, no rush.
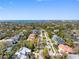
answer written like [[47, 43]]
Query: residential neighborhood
[[39, 41]]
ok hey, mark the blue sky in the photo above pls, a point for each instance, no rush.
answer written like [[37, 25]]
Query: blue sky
[[39, 9]]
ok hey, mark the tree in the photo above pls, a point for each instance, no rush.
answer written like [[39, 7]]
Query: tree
[[30, 45], [46, 54], [69, 42]]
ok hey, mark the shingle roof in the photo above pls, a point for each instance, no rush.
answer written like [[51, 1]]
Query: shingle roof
[[58, 39]]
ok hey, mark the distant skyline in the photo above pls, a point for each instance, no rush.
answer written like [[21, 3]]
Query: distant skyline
[[39, 9]]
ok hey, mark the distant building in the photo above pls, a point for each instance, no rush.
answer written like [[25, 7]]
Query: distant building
[[57, 30], [75, 36], [2, 34], [35, 31]]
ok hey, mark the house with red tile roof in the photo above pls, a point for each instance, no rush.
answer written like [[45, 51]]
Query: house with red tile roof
[[65, 49], [31, 37]]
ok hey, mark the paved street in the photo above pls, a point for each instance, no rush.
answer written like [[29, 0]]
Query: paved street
[[73, 56]]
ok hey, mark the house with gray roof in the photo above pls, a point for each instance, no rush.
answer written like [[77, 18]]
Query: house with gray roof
[[58, 39], [23, 53]]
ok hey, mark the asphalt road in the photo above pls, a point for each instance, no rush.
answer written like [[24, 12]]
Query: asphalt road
[[73, 56]]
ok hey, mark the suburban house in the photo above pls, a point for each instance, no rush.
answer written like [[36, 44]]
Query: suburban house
[[56, 30], [75, 36], [23, 53], [65, 49], [31, 37], [2, 34], [15, 39], [35, 31], [58, 39], [10, 41]]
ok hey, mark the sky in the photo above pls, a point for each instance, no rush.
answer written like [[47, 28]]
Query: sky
[[39, 9]]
